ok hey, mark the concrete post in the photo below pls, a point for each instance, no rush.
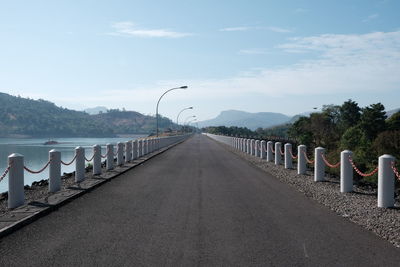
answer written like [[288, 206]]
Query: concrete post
[[270, 155], [140, 148], [385, 182], [144, 149], [134, 149], [110, 157], [257, 148], [128, 151], [262, 149], [252, 147], [346, 172], [243, 145], [247, 146], [301, 159], [288, 156], [54, 171], [96, 160], [319, 165], [120, 154], [79, 164], [16, 195], [278, 157]]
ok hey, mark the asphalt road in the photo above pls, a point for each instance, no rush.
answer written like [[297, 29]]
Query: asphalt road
[[195, 205]]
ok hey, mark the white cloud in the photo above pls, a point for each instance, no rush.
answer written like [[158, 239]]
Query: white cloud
[[253, 51], [371, 17], [130, 29], [353, 65], [278, 29], [236, 29], [248, 28]]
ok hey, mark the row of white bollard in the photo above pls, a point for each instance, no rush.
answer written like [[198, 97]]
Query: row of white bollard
[[126, 152], [264, 150]]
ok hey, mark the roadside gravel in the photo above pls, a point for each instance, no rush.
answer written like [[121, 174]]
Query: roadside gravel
[[359, 207]]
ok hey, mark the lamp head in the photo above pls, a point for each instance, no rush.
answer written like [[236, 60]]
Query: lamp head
[[183, 87]]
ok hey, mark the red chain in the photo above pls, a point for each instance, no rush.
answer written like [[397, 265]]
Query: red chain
[[329, 164], [39, 171], [280, 151], [309, 161], [395, 170], [293, 157], [5, 172], [90, 158], [69, 163], [360, 172]]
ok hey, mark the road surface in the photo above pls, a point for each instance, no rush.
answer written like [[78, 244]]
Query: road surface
[[195, 205]]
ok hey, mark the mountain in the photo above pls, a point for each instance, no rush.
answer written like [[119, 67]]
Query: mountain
[[389, 113], [95, 110], [40, 118], [246, 119]]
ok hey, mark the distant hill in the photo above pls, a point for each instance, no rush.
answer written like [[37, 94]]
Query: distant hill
[[389, 113], [246, 119], [95, 110], [40, 118]]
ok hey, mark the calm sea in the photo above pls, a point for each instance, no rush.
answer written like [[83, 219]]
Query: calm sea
[[36, 154]]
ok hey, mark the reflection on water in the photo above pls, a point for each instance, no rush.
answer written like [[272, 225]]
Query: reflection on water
[[36, 154]]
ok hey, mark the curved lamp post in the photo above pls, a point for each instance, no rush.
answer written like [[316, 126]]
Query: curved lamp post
[[177, 117], [191, 121], [176, 88], [194, 116]]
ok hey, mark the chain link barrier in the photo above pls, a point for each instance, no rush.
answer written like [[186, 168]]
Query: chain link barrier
[[39, 171], [395, 170], [291, 154], [90, 158], [307, 159], [360, 172], [5, 173], [330, 164], [69, 163]]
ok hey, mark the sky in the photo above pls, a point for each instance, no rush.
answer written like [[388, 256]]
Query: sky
[[252, 55]]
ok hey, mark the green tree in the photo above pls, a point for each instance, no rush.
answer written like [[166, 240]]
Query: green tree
[[373, 120], [350, 114]]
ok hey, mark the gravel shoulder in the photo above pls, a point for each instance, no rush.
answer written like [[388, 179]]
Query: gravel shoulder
[[359, 206]]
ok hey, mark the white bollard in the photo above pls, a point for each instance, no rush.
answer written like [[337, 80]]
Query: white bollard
[[278, 157], [257, 148], [134, 149], [385, 182], [247, 146], [96, 160], [128, 151], [144, 149], [243, 145], [79, 164], [270, 155], [288, 156], [346, 172], [301, 159], [252, 147], [139, 148], [120, 154], [110, 157], [54, 171], [262, 149], [319, 165], [16, 196]]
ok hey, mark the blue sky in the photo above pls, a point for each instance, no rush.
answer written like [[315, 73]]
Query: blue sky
[[279, 56]]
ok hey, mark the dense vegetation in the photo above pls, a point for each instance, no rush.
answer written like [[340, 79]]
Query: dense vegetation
[[365, 131], [40, 118]]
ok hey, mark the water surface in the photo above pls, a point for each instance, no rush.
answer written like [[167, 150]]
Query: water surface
[[36, 154]]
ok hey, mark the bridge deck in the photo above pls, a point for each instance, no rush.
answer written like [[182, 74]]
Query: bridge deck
[[196, 204]]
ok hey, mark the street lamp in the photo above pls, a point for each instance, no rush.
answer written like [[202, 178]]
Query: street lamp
[[176, 88], [194, 116], [177, 117]]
